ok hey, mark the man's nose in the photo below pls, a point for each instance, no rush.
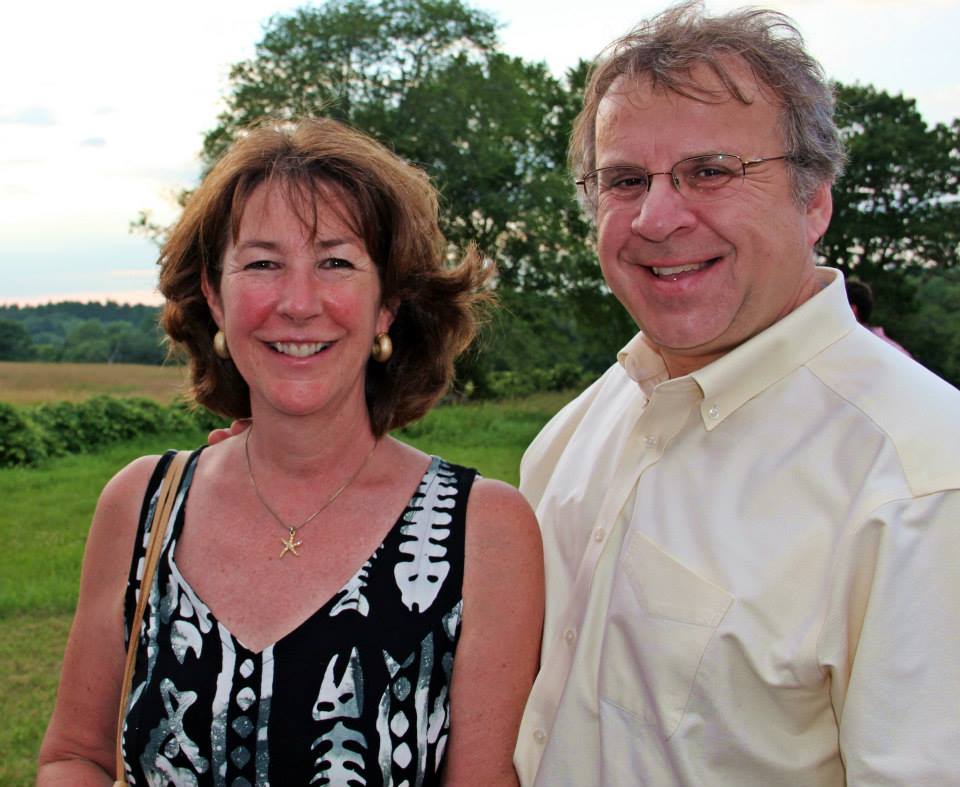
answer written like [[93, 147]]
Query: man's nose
[[662, 210]]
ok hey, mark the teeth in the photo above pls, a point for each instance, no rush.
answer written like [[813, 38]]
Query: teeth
[[674, 270], [299, 350]]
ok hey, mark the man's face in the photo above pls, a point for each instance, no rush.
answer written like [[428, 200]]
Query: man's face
[[751, 251]]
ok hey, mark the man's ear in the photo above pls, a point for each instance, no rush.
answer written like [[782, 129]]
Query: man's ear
[[819, 210], [213, 298]]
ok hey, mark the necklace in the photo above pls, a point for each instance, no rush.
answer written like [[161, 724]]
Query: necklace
[[291, 542]]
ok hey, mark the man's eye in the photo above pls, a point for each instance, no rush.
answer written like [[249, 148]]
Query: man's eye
[[626, 181], [710, 173]]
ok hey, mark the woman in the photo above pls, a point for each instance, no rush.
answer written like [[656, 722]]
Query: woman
[[331, 605]]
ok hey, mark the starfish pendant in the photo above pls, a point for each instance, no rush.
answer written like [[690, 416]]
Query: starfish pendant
[[290, 544]]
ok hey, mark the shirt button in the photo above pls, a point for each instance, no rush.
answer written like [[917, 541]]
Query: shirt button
[[714, 412], [570, 636], [650, 440], [539, 736], [599, 534]]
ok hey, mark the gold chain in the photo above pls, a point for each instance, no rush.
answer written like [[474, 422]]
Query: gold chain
[[290, 543]]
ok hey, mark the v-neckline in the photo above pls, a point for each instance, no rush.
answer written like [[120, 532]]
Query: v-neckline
[[232, 641]]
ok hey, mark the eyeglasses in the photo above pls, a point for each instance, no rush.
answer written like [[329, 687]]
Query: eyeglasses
[[698, 178]]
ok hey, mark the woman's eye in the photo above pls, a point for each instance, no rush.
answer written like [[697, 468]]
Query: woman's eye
[[336, 262], [260, 265]]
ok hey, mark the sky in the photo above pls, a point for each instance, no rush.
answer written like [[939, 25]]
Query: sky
[[104, 104]]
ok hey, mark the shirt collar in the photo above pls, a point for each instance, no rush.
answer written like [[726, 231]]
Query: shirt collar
[[643, 364], [761, 361]]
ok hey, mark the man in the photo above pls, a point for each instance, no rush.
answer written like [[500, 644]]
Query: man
[[751, 522]]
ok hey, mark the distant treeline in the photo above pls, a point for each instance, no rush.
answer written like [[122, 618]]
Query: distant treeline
[[71, 331], [535, 341]]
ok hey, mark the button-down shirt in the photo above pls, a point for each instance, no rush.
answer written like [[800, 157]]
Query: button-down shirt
[[753, 571]]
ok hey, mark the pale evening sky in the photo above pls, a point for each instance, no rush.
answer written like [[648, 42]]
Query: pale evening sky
[[104, 105]]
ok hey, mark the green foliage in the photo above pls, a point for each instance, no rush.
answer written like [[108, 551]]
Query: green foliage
[[22, 442], [545, 342], [562, 377], [931, 332], [895, 208], [29, 436], [15, 341], [425, 77], [81, 332], [896, 220]]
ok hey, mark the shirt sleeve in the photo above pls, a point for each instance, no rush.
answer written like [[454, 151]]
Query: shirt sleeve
[[892, 645]]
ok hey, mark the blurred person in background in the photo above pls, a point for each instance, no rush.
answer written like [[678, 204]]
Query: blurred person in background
[[861, 301]]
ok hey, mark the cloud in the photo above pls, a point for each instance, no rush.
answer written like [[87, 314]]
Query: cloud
[[30, 116], [133, 273], [941, 104], [150, 297], [93, 142]]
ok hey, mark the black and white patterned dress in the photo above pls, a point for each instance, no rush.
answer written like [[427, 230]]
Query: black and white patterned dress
[[356, 695]]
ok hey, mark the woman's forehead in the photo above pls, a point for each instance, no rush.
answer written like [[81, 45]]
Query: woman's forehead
[[314, 202]]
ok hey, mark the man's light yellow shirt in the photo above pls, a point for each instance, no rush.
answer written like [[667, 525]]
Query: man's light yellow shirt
[[753, 572]]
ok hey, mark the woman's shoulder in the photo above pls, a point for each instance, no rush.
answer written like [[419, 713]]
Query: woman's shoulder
[[498, 515], [126, 489]]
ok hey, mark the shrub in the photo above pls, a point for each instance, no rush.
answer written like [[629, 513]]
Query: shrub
[[21, 441], [562, 377], [32, 434]]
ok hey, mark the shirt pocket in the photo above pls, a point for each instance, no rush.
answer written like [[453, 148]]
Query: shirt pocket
[[661, 618]]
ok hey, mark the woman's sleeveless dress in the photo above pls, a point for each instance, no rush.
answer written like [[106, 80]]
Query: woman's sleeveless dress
[[359, 694]]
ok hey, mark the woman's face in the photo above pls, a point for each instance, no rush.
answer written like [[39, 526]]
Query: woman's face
[[300, 312]]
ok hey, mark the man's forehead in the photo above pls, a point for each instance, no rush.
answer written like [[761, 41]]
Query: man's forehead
[[700, 83]]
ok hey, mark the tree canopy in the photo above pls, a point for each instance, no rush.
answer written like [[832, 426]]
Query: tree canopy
[[896, 206], [427, 78]]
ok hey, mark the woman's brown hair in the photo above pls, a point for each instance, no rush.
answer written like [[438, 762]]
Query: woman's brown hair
[[392, 207]]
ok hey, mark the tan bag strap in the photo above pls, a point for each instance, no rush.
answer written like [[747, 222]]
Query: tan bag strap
[[158, 528]]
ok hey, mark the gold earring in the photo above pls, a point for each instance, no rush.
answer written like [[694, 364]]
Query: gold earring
[[382, 348], [220, 345]]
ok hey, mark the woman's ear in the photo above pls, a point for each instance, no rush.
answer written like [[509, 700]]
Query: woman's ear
[[213, 298], [388, 313]]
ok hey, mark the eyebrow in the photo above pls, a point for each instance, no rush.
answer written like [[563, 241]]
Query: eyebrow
[[269, 245]]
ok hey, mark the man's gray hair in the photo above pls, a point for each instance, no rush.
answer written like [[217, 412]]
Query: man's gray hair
[[662, 52]]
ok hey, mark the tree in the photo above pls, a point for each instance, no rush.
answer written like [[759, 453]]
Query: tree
[[350, 59], [895, 208], [15, 341], [932, 332], [425, 77]]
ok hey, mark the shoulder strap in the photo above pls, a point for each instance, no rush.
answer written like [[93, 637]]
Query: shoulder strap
[[158, 528]]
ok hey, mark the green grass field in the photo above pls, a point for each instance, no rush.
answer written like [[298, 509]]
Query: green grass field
[[43, 526]]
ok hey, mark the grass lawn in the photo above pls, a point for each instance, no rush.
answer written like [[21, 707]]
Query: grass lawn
[[43, 526]]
